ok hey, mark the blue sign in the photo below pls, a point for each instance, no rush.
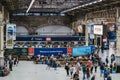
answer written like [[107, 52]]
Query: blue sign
[[84, 50], [52, 38], [49, 51], [10, 30]]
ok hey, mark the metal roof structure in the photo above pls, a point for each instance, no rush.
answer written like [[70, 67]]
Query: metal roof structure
[[56, 5]]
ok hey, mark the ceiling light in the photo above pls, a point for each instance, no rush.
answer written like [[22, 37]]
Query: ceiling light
[[81, 6], [30, 6]]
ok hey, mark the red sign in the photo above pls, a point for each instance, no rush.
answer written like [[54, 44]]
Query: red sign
[[48, 39], [69, 50], [31, 51]]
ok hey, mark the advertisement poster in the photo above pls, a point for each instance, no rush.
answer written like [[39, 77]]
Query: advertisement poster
[[69, 50], [80, 29], [84, 50], [9, 36], [98, 29], [30, 51]]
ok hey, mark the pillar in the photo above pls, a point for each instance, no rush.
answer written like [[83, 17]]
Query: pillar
[[86, 31], [118, 40], [1, 41], [1, 37]]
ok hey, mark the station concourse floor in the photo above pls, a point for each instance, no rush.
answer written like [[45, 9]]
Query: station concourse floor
[[27, 70]]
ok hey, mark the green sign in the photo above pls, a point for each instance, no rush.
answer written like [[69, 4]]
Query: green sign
[[16, 51]]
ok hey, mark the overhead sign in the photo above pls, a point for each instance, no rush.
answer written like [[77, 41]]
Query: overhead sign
[[98, 29], [50, 39]]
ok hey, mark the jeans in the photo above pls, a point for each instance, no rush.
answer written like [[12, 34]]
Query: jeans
[[84, 75]]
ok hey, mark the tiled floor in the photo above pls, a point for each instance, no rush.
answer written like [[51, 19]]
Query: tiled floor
[[27, 70]]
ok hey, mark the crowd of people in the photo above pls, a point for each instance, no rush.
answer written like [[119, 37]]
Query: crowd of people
[[87, 66], [90, 67]]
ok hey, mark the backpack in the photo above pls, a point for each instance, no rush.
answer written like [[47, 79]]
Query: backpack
[[109, 78]]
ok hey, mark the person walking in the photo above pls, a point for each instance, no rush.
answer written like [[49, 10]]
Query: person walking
[[107, 61], [15, 61], [88, 72], [84, 71], [78, 66], [71, 71], [106, 72], [48, 64], [102, 67], [67, 68], [55, 64], [95, 66], [10, 65], [91, 69]]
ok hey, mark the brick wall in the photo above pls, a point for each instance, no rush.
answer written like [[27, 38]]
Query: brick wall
[[33, 22]]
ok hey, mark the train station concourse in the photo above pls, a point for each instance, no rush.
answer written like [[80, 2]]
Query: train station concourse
[[59, 39]]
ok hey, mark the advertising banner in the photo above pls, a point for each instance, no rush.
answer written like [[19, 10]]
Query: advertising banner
[[49, 51], [98, 29], [80, 29], [84, 50], [9, 36], [30, 51], [69, 50]]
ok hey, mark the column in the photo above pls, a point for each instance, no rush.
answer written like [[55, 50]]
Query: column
[[1, 37], [1, 41], [118, 40], [86, 35], [86, 31]]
